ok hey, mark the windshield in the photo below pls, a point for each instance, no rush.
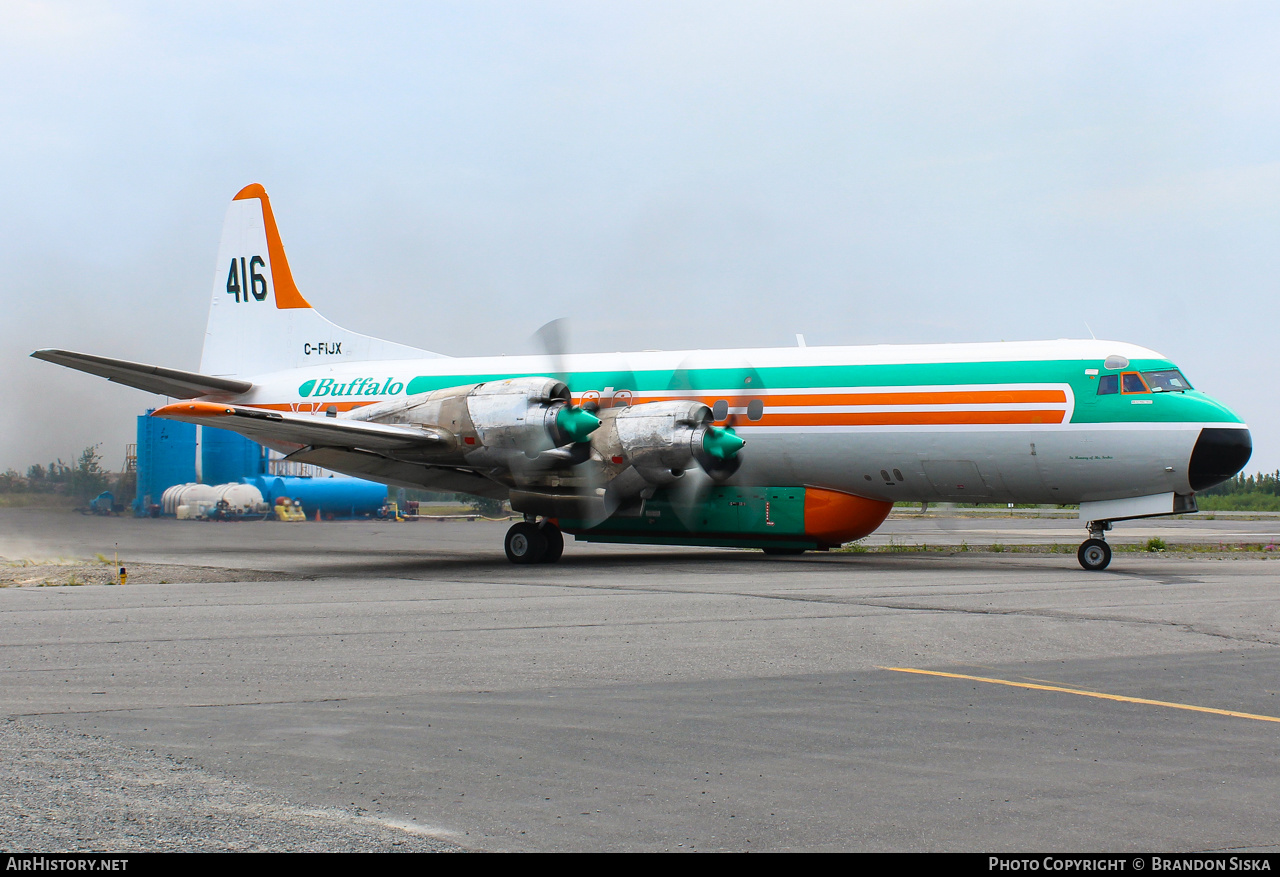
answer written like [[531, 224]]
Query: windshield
[[1166, 381], [1131, 382]]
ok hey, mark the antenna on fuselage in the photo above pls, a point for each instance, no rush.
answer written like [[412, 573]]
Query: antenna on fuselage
[[1090, 328]]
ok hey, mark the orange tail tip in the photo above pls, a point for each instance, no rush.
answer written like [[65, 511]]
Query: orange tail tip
[[286, 291]]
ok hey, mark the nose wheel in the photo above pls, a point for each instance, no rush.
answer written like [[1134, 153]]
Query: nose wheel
[[530, 542], [1095, 554]]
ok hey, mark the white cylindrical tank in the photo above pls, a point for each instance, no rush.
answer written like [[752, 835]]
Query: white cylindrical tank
[[169, 500], [188, 495], [184, 494], [241, 498], [187, 501]]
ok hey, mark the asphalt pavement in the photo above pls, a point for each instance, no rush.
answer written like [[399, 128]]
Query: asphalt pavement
[[403, 686]]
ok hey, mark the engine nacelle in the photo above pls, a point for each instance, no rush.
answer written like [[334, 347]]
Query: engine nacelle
[[527, 414], [636, 450], [493, 418], [660, 440]]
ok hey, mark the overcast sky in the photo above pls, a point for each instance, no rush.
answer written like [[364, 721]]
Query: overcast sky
[[667, 175]]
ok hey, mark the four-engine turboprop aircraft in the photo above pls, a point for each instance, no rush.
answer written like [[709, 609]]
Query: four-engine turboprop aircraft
[[786, 450]]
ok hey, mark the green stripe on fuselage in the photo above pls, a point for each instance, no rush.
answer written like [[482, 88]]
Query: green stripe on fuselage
[[1191, 406]]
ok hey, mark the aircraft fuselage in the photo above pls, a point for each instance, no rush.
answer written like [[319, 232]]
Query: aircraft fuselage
[[1010, 422]]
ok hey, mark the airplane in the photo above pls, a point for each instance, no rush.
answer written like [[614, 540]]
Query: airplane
[[782, 449]]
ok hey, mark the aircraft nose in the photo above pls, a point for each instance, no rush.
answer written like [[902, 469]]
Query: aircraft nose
[[1218, 455]]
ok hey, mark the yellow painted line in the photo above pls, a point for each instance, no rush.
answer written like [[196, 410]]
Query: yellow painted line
[[1098, 694]]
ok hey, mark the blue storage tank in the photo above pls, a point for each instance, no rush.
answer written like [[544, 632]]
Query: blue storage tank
[[339, 496], [166, 456], [227, 457]]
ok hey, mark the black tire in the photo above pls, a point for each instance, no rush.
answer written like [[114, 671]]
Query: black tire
[[555, 542], [783, 552], [1094, 555], [525, 543]]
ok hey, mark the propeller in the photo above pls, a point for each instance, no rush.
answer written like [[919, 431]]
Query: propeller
[[717, 444], [552, 337], [573, 423], [719, 456]]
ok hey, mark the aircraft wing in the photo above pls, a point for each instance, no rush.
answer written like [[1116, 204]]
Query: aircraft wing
[[366, 464], [305, 430], [152, 378]]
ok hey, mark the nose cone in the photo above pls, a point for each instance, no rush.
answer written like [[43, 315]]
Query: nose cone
[[1219, 454]]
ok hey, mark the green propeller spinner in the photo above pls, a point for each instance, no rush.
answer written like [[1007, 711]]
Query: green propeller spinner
[[575, 424], [721, 442]]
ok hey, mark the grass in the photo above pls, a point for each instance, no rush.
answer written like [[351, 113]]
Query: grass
[[1239, 502], [71, 582]]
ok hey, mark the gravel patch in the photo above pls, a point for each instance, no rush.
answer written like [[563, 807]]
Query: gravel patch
[[71, 573], [69, 792]]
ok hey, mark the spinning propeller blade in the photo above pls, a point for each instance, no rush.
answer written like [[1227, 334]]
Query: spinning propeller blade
[[574, 423]]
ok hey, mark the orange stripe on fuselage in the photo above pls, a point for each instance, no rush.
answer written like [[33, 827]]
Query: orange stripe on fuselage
[[840, 418], [846, 418], [312, 407], [930, 397], [908, 418]]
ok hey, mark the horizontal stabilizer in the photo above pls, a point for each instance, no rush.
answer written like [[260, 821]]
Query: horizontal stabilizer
[[278, 428], [152, 378]]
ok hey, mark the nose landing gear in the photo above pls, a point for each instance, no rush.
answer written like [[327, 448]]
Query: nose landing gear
[[530, 542], [1095, 554]]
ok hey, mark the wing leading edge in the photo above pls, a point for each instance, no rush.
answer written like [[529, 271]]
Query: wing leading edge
[[288, 428], [352, 447]]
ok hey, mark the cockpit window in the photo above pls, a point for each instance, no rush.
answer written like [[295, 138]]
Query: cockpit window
[[1166, 381], [1131, 382], [1108, 384]]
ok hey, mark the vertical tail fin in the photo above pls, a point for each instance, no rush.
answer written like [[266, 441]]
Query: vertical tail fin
[[258, 321]]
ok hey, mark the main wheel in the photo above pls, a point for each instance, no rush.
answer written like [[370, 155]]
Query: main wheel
[[1094, 555], [555, 541], [525, 543]]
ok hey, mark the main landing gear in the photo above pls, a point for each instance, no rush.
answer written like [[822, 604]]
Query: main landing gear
[[532, 542], [1095, 553]]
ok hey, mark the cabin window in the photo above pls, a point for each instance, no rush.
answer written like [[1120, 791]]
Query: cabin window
[[1108, 384], [755, 409], [720, 410], [1168, 380], [1131, 382]]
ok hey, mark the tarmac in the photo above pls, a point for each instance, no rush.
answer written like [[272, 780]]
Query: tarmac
[[401, 686]]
